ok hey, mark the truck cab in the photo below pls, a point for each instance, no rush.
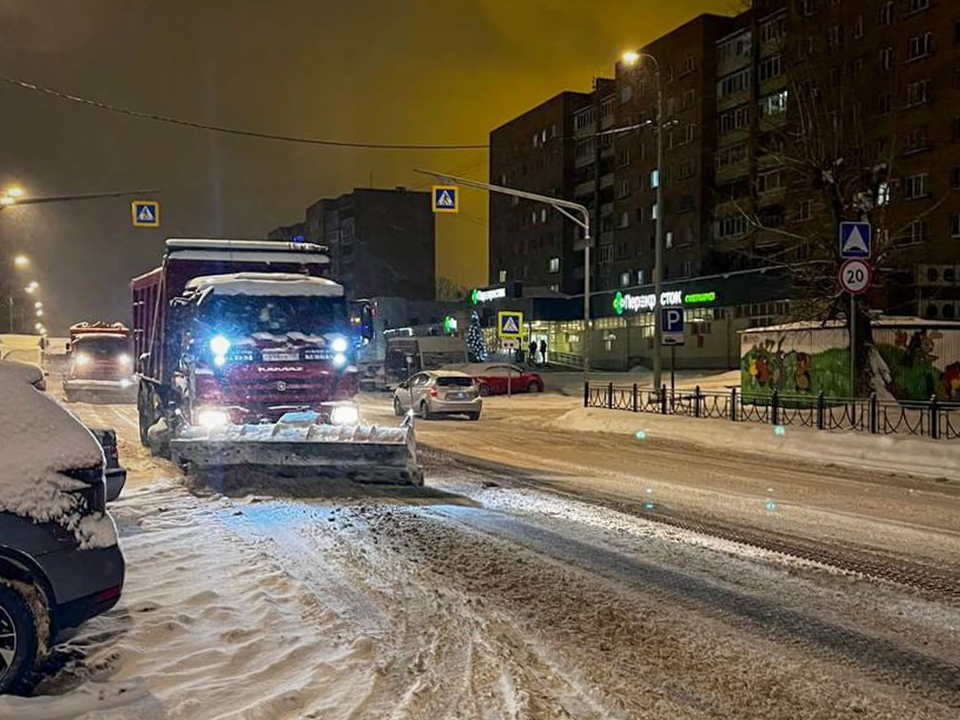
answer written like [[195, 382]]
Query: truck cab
[[255, 346], [99, 363]]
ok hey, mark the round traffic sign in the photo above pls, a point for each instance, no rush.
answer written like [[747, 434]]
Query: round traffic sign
[[856, 276]]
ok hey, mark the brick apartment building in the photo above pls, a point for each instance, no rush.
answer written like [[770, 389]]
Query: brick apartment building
[[885, 73], [382, 242], [530, 242]]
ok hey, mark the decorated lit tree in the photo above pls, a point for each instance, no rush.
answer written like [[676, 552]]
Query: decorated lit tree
[[476, 348]]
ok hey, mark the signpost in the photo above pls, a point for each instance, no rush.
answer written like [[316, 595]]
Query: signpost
[[510, 324], [145, 213], [856, 277], [671, 334], [446, 198]]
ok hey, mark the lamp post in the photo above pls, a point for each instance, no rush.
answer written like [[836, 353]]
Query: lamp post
[[633, 58]]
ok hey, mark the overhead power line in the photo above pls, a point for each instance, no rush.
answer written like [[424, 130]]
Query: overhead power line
[[24, 85]]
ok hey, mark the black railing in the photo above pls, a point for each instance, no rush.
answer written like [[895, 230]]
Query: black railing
[[934, 419]]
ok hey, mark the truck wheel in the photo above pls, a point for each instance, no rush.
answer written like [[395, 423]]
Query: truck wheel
[[143, 413], [20, 629]]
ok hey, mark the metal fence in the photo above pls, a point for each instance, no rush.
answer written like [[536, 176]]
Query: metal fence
[[934, 419]]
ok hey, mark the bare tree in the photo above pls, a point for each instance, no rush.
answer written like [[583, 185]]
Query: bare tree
[[449, 291]]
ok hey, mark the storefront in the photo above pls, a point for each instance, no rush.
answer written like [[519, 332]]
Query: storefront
[[622, 329]]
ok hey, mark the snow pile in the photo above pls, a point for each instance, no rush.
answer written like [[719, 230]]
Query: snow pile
[[41, 440], [916, 456], [266, 285]]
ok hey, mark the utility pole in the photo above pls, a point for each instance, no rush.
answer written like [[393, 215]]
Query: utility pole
[[598, 224], [574, 211], [658, 242]]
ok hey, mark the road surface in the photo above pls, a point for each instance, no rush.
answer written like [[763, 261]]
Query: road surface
[[556, 588]]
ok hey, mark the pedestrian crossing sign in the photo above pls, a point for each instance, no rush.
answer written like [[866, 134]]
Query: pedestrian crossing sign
[[146, 213], [510, 324], [446, 198]]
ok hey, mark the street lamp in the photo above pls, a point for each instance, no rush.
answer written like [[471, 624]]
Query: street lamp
[[32, 287], [21, 261], [633, 58], [10, 196], [40, 312], [38, 305]]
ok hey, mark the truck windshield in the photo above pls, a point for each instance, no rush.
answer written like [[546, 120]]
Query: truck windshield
[[101, 347], [249, 315]]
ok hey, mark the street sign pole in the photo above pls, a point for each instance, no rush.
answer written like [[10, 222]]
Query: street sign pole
[[856, 274], [853, 346], [673, 370]]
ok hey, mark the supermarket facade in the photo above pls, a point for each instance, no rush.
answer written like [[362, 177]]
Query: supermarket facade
[[715, 308]]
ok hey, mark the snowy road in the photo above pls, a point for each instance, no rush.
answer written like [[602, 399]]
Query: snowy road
[[515, 594]]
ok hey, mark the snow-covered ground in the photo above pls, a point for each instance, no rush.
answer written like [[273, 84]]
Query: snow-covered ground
[[517, 592], [495, 602]]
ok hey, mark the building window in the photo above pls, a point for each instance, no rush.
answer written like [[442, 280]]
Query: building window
[[920, 46], [689, 99], [690, 133], [624, 220], [585, 150], [955, 225], [858, 27], [734, 83], [689, 64], [834, 36], [584, 118], [918, 92], [502, 276], [919, 5], [625, 279], [884, 103], [653, 213], [774, 105], [731, 155], [735, 119], [916, 186], [639, 214], [605, 254], [543, 215], [536, 139], [687, 204], [916, 232], [885, 14], [731, 226], [669, 240], [533, 217], [687, 268], [623, 188], [624, 158], [804, 210], [886, 58], [808, 7], [553, 265], [917, 140], [641, 277], [654, 179], [770, 68], [769, 181]]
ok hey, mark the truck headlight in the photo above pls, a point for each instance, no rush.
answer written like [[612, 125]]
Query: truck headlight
[[125, 359], [81, 359], [339, 345], [339, 360], [210, 419], [219, 345], [345, 415]]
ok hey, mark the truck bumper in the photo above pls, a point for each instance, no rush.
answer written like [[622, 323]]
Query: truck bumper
[[125, 387]]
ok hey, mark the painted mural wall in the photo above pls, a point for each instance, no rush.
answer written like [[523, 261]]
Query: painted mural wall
[[910, 360]]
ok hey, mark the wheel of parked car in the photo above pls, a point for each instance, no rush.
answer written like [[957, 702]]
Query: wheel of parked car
[[424, 411], [474, 416], [397, 408], [484, 389], [19, 630], [534, 387]]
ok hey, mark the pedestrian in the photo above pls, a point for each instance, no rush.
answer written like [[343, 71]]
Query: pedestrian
[[533, 351], [543, 352]]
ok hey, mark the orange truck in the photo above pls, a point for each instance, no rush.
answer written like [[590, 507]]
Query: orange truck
[[100, 363]]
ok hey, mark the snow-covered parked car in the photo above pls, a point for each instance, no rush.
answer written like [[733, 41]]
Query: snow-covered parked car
[[59, 560]]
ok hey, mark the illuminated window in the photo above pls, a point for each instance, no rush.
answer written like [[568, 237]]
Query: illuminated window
[[554, 265]]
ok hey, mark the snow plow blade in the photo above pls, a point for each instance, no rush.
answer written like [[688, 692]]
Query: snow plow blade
[[297, 447]]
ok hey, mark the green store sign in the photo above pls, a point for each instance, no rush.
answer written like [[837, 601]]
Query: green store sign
[[669, 298]]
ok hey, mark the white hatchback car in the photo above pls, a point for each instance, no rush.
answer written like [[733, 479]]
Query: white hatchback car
[[439, 392]]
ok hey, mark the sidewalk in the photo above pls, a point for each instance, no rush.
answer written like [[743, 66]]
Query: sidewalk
[[570, 382]]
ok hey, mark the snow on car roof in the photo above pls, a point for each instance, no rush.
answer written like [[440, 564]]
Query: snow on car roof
[[40, 441], [266, 285]]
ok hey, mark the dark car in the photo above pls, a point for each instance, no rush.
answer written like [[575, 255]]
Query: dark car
[[59, 560], [501, 378], [115, 474]]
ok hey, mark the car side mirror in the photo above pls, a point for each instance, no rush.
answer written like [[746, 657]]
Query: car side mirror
[[404, 386]]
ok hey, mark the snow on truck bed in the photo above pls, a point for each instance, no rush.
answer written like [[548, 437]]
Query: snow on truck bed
[[39, 440], [266, 285]]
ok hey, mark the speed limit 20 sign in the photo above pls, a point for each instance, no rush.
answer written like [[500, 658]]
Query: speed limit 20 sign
[[856, 276]]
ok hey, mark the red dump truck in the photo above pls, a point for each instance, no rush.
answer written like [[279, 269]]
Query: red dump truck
[[99, 363], [246, 357]]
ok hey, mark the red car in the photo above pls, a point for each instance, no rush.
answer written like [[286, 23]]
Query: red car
[[493, 378]]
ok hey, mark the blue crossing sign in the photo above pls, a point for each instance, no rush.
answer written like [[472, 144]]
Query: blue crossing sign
[[145, 213], [855, 240], [510, 324], [446, 198], [671, 326]]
